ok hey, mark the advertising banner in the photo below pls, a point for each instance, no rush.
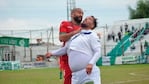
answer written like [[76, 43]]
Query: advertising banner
[[23, 42]]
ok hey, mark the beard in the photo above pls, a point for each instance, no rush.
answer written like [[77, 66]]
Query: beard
[[77, 19], [83, 25]]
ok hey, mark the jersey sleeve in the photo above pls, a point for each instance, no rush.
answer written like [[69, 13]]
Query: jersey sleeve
[[60, 51], [63, 27], [96, 47]]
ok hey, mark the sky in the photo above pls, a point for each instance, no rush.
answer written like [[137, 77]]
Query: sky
[[25, 15], [40, 14]]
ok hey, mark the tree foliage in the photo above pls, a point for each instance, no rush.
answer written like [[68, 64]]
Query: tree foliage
[[141, 11]]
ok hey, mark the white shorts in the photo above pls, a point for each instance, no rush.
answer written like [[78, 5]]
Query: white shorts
[[81, 77]]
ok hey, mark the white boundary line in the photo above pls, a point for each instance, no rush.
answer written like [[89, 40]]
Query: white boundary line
[[132, 74], [128, 81]]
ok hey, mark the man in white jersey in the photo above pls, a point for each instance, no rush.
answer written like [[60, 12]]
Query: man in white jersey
[[84, 50]]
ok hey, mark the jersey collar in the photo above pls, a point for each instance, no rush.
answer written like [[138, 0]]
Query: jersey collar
[[86, 31]]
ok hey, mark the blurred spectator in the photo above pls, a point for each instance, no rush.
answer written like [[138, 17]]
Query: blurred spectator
[[145, 44], [126, 27], [133, 47], [146, 31], [121, 29], [39, 58], [109, 37], [119, 35], [132, 28], [113, 36]]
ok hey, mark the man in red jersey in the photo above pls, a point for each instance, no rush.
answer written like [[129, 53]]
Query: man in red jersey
[[67, 30]]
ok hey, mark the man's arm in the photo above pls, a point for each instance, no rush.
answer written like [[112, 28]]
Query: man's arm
[[58, 52], [96, 47], [97, 55], [63, 37]]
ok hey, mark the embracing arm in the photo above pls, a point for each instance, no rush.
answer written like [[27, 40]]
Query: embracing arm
[[63, 37], [65, 33]]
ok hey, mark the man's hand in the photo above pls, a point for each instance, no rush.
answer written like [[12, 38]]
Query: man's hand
[[48, 54], [89, 69]]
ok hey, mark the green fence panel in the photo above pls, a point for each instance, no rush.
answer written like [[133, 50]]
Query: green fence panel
[[99, 62], [9, 65]]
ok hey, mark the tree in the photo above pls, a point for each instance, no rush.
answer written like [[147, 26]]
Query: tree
[[141, 11]]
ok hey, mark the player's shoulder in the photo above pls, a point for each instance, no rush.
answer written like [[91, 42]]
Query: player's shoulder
[[94, 35], [65, 23]]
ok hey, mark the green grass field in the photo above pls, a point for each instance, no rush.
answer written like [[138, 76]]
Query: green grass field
[[117, 74]]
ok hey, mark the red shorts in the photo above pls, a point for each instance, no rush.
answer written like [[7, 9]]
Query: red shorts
[[65, 67], [67, 74]]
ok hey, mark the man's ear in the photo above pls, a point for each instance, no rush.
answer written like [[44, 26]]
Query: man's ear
[[72, 15]]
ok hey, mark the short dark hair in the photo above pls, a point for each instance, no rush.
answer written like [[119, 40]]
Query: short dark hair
[[95, 22]]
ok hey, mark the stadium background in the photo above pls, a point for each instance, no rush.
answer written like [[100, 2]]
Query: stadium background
[[46, 39]]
